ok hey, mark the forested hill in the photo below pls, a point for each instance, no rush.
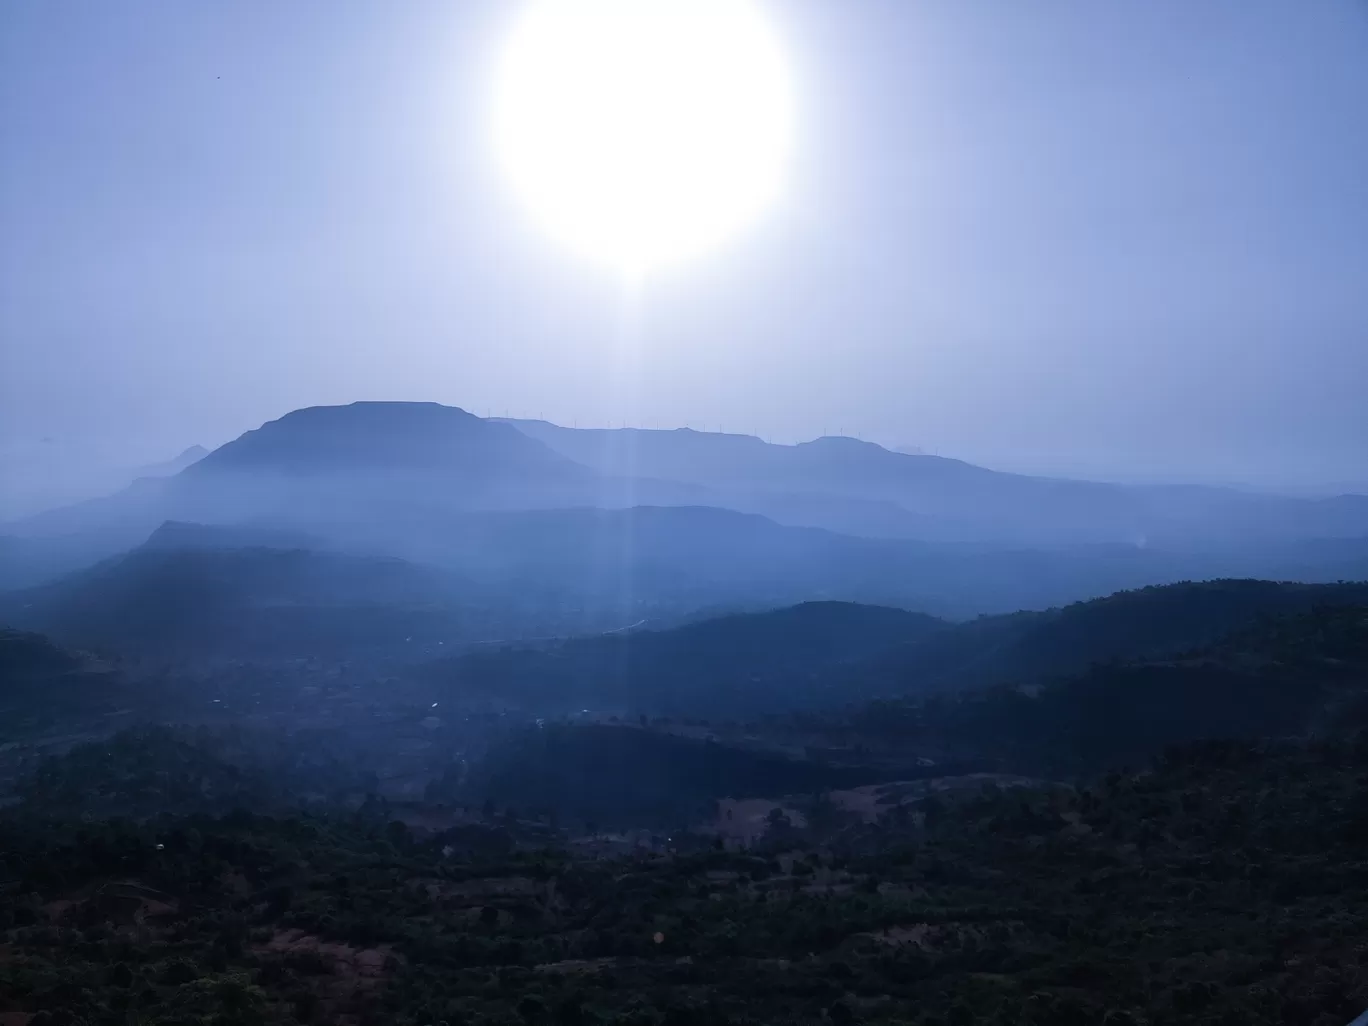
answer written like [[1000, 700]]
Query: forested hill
[[1208, 888], [1138, 624], [831, 653], [25, 655], [752, 661], [1297, 676], [1216, 888]]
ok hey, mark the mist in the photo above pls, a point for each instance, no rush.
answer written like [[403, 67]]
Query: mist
[[664, 512]]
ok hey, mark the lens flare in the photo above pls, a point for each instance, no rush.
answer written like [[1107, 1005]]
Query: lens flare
[[643, 132]]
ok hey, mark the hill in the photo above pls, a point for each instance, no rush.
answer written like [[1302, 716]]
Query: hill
[[1128, 901], [1294, 677], [553, 571], [863, 488], [25, 655], [388, 438], [51, 693], [1136, 624], [1123, 896], [741, 664], [829, 653], [374, 469], [628, 777], [182, 595], [673, 559], [1291, 677]]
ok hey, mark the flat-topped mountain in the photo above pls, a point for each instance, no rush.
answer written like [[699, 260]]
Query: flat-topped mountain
[[388, 437]]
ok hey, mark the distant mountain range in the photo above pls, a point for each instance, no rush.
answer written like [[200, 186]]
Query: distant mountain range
[[862, 488], [624, 525], [43, 475]]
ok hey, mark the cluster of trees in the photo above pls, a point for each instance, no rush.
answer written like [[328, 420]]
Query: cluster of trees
[[1217, 887], [642, 775], [728, 665], [148, 771]]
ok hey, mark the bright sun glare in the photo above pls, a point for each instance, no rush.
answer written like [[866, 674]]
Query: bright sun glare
[[643, 132]]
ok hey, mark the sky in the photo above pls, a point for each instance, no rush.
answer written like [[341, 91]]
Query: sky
[[1124, 240]]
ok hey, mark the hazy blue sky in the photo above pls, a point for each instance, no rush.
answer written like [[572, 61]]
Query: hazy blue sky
[[1125, 238]]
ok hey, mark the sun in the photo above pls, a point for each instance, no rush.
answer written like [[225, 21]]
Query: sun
[[643, 132]]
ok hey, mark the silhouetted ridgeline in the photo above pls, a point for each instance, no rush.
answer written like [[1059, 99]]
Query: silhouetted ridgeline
[[833, 653], [671, 515], [943, 499]]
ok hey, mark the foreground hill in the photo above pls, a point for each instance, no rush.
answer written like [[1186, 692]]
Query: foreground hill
[[1211, 889], [1295, 677], [389, 438]]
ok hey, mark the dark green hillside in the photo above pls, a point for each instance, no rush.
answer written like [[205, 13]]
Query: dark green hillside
[[732, 665], [48, 689], [1218, 888], [830, 653], [147, 772], [1289, 677], [623, 775], [1140, 624], [25, 655]]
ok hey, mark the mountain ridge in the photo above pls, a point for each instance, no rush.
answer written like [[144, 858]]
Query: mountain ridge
[[948, 499], [407, 479]]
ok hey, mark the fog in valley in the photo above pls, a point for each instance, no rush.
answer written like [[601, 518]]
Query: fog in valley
[[662, 512]]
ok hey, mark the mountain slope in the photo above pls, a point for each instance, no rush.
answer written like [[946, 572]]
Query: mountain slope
[[828, 653], [387, 465], [1292, 676], [434, 484], [944, 499], [198, 590], [750, 662], [1145, 623], [651, 561], [388, 437]]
